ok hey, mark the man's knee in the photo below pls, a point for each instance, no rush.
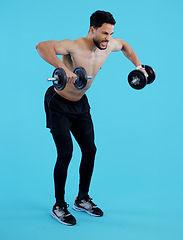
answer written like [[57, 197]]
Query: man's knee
[[90, 150], [64, 157], [94, 149]]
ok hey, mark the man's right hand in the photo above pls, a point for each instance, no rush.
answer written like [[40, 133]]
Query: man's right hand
[[71, 77]]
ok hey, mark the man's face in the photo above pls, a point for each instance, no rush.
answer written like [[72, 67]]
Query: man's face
[[102, 35]]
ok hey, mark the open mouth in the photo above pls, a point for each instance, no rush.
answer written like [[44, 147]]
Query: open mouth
[[104, 44]]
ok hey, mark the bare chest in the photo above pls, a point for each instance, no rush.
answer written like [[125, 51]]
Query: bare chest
[[92, 62]]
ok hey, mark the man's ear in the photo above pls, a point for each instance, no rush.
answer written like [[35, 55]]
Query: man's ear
[[92, 30]]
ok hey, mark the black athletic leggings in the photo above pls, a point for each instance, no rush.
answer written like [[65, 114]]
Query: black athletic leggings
[[82, 130], [63, 117]]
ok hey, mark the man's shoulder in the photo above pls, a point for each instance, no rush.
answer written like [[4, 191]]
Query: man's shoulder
[[117, 44], [79, 41], [76, 42], [69, 44], [79, 44]]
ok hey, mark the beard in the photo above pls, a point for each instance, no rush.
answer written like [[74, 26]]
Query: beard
[[97, 43]]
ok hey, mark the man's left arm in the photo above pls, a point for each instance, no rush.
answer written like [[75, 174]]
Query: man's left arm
[[121, 45]]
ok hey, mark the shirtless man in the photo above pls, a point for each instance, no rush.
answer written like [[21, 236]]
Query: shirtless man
[[69, 111]]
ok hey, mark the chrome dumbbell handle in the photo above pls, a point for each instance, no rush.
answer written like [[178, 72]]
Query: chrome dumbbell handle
[[52, 79], [89, 77], [56, 78], [135, 81]]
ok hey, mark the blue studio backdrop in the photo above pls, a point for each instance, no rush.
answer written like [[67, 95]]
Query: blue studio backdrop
[[137, 179]]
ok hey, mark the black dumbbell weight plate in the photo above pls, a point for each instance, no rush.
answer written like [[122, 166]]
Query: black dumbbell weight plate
[[151, 74], [81, 82], [137, 79], [62, 79]]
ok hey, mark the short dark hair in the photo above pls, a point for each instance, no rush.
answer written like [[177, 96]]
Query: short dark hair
[[98, 18]]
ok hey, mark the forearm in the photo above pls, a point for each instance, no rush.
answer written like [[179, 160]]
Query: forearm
[[130, 54], [48, 53]]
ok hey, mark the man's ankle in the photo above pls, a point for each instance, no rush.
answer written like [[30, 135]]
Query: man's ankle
[[60, 203], [82, 195]]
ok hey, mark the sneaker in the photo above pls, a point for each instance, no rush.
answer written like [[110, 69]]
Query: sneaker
[[86, 205], [63, 215]]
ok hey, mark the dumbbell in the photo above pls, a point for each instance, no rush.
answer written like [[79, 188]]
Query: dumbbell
[[59, 78], [138, 80]]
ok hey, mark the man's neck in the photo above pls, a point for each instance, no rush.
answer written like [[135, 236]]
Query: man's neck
[[91, 45]]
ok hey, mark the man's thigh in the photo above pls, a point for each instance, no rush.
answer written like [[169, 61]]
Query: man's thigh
[[83, 130]]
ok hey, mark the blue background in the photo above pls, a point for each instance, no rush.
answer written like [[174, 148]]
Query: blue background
[[138, 173]]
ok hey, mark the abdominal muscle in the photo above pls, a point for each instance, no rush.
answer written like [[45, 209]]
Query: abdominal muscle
[[71, 93]]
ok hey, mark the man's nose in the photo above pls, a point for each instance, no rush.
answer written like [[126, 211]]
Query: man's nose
[[107, 38]]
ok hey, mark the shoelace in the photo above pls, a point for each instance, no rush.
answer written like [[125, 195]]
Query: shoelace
[[64, 209], [89, 202]]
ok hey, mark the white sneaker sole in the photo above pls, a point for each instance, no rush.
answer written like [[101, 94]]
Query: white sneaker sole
[[58, 219]]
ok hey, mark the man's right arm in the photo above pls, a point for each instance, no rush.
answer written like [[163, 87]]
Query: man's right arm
[[49, 50]]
